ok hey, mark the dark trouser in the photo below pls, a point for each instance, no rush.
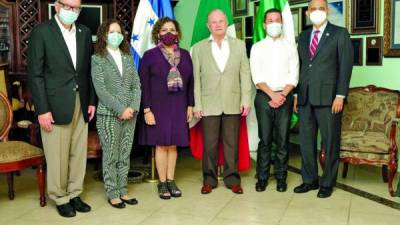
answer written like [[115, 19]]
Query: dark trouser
[[226, 127], [312, 118], [272, 121]]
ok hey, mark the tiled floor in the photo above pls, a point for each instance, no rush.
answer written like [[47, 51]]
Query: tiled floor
[[221, 207]]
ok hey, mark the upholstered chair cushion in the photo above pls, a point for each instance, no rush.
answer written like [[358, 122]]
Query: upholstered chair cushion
[[367, 142], [370, 111], [13, 151]]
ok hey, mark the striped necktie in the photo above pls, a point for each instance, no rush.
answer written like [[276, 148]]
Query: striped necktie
[[314, 44]]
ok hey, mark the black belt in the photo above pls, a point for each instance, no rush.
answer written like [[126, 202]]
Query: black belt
[[260, 91]]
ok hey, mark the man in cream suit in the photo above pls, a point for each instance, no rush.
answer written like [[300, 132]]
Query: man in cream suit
[[222, 94]]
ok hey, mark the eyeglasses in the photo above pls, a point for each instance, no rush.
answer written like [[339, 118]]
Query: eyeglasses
[[68, 7]]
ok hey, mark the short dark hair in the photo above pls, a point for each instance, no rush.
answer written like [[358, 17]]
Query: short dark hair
[[157, 27], [273, 10]]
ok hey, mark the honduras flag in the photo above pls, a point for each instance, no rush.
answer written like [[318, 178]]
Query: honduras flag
[[147, 15]]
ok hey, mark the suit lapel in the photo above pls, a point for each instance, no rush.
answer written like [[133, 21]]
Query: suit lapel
[[125, 64], [60, 39], [80, 45], [324, 37]]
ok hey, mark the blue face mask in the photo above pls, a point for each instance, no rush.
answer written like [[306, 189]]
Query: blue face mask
[[114, 39], [67, 17]]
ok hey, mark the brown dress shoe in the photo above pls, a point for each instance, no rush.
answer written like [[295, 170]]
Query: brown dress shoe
[[206, 189], [237, 189]]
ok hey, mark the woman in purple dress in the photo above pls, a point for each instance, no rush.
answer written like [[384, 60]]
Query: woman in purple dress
[[166, 76]]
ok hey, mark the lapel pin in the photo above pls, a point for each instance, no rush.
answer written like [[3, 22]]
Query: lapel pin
[[327, 34], [79, 30]]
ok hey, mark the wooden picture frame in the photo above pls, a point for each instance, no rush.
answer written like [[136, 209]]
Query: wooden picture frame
[[364, 16], [256, 7], [392, 29], [374, 51], [240, 7], [238, 21], [358, 51], [305, 21]]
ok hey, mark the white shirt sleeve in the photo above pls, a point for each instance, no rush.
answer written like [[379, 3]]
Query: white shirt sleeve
[[293, 66], [255, 66]]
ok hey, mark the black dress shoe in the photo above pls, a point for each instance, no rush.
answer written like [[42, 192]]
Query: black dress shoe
[[261, 185], [131, 201], [281, 186], [120, 205], [303, 188], [79, 205], [66, 210], [324, 192]]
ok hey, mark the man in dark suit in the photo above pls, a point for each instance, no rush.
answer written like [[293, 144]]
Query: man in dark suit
[[326, 62], [59, 57]]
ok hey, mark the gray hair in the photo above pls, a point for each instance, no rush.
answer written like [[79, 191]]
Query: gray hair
[[216, 10]]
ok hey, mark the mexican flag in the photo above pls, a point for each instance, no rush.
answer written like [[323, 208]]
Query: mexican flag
[[192, 17], [287, 19]]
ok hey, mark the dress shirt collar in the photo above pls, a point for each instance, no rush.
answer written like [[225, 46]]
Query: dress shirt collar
[[63, 30], [212, 39], [321, 28]]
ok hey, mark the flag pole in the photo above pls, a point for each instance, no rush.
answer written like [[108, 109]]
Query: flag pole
[[152, 178]]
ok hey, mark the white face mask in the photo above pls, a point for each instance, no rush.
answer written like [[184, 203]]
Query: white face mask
[[274, 29], [68, 17], [318, 17]]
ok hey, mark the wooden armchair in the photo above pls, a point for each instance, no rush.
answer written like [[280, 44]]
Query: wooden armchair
[[18, 155], [369, 128]]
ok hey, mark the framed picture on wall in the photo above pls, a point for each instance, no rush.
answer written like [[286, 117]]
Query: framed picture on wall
[[392, 28], [240, 7], [358, 51], [256, 7], [91, 16], [305, 21], [374, 51], [239, 27], [249, 26], [364, 16], [296, 14], [337, 14]]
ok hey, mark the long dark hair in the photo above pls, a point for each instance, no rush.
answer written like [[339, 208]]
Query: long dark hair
[[101, 44]]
